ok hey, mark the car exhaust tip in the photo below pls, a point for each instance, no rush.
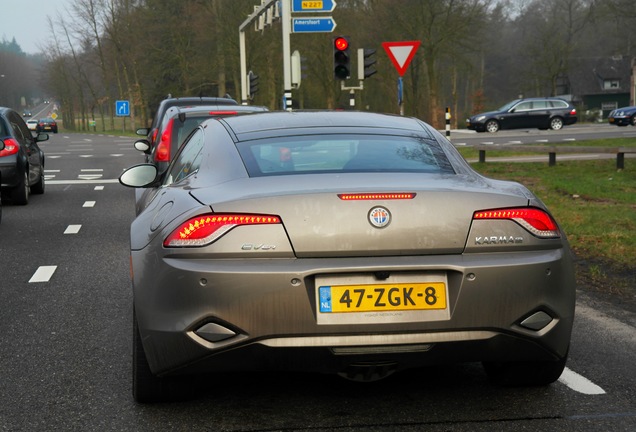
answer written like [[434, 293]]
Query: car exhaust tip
[[536, 321], [212, 332]]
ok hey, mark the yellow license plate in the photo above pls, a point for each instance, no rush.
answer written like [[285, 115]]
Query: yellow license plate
[[389, 297]]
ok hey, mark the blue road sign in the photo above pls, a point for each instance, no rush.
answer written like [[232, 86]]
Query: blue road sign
[[313, 25], [313, 5], [122, 108]]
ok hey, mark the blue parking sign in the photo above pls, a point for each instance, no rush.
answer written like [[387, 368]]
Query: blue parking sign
[[122, 108]]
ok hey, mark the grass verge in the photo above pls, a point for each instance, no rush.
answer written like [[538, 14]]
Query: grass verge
[[596, 207]]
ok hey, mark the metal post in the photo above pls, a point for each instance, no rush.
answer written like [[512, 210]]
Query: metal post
[[400, 96], [448, 123], [286, 27], [482, 156], [244, 82], [352, 99], [620, 161]]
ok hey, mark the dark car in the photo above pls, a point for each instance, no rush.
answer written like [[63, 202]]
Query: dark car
[[541, 113], [152, 132], [352, 243], [623, 116], [21, 160], [178, 122], [46, 125]]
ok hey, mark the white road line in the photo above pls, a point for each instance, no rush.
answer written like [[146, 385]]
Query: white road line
[[70, 182], [579, 383], [89, 204], [91, 170], [43, 274], [99, 187], [86, 156], [89, 176], [72, 229], [51, 171]]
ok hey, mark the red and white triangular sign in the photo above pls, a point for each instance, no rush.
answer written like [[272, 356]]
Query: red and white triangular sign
[[401, 53]]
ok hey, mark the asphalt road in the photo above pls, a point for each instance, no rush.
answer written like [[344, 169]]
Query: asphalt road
[[66, 323]]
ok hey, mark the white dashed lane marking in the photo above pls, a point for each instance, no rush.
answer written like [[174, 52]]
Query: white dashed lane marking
[[72, 229], [43, 274], [579, 383], [89, 204]]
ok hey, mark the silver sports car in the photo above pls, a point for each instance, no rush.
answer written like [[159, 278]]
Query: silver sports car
[[340, 242]]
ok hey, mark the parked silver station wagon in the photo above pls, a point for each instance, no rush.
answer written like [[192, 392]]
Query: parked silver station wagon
[[350, 243]]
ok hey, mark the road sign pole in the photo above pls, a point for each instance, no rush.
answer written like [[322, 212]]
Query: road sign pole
[[286, 27], [400, 96]]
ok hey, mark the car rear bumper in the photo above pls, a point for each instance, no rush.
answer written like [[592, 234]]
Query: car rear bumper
[[9, 172], [199, 315]]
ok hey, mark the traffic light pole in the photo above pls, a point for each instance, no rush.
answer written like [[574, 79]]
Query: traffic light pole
[[352, 92]]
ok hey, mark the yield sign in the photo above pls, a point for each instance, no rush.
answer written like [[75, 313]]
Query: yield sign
[[401, 53]]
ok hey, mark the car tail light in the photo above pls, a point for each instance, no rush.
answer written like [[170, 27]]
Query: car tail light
[[573, 112], [377, 196], [162, 154], [536, 221], [223, 113], [205, 229], [11, 146]]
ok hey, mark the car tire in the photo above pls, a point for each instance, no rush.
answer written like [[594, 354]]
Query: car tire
[[492, 126], [525, 373], [38, 188], [556, 123], [149, 388], [632, 120], [20, 194]]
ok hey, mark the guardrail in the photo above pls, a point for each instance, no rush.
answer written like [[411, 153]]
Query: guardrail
[[552, 151]]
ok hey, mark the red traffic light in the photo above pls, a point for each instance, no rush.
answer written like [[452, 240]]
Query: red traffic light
[[341, 43]]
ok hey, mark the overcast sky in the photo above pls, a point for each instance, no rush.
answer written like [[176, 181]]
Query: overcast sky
[[26, 21]]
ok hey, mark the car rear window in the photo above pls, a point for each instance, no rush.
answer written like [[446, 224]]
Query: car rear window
[[343, 153]]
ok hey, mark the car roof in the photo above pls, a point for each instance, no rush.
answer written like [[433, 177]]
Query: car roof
[[172, 111], [289, 122]]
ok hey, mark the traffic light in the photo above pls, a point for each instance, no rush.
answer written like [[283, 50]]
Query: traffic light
[[252, 85], [366, 62], [341, 58]]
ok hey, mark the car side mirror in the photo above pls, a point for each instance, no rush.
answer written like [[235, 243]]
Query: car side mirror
[[42, 137], [143, 146], [142, 131], [138, 176]]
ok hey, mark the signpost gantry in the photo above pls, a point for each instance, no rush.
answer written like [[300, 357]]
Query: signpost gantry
[[264, 15]]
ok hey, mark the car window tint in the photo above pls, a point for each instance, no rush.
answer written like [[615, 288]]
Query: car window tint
[[188, 160], [540, 104], [343, 153], [559, 104]]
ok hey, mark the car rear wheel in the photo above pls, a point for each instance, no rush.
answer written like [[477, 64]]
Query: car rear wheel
[[20, 194], [38, 188], [632, 120], [492, 126], [556, 123], [525, 373], [147, 387]]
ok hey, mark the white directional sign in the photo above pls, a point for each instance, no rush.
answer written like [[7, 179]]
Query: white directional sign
[[313, 25]]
